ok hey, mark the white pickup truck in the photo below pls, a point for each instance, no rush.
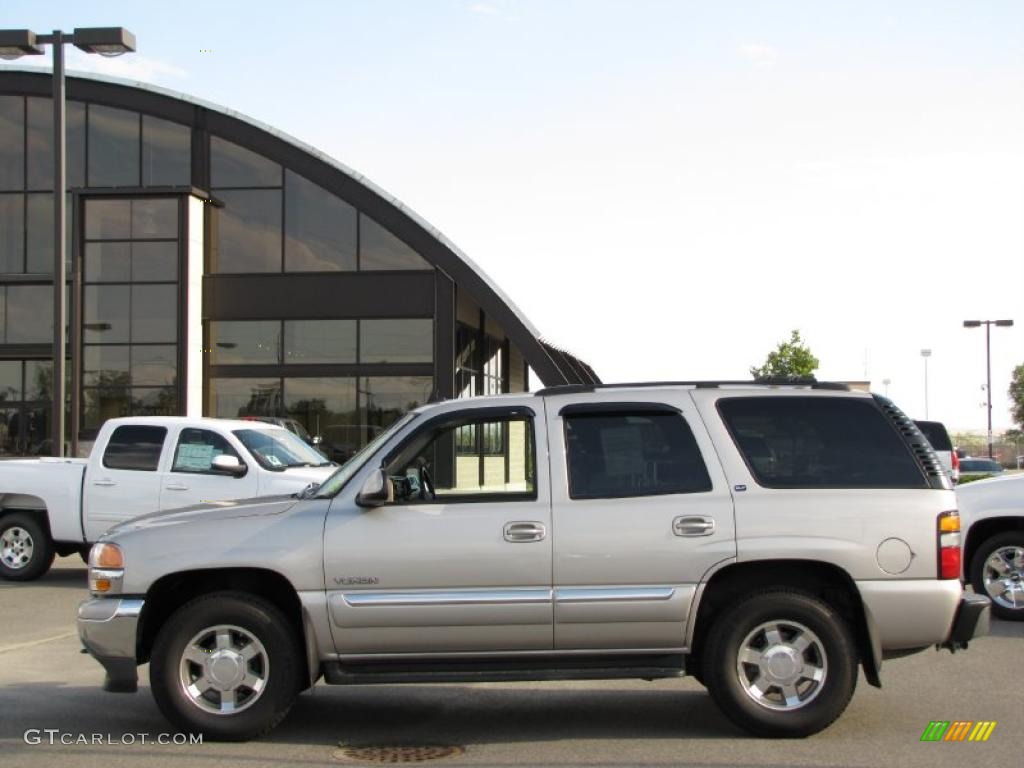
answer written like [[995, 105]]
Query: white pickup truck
[[138, 465]]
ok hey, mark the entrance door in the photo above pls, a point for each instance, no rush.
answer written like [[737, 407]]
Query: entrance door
[[460, 564], [639, 517]]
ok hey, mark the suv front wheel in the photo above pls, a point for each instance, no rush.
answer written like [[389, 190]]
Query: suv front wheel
[[780, 663], [226, 665]]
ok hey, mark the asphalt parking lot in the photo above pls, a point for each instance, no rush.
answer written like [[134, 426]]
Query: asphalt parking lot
[[45, 683]]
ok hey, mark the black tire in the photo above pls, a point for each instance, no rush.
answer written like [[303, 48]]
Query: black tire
[[27, 552], [1004, 610], [834, 651], [264, 622]]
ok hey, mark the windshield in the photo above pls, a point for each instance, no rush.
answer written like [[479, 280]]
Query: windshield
[[279, 449], [336, 482]]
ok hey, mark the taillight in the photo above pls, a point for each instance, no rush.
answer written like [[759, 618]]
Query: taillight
[[949, 545]]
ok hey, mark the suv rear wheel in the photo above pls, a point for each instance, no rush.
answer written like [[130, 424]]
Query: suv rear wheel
[[997, 571], [780, 663], [226, 665]]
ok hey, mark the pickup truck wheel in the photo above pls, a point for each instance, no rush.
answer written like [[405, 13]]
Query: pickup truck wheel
[[780, 663], [997, 571], [26, 551], [226, 665]]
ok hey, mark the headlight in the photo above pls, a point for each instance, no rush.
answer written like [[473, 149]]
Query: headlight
[[106, 569]]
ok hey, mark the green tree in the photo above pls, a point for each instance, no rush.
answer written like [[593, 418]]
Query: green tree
[[1016, 393], [790, 360]]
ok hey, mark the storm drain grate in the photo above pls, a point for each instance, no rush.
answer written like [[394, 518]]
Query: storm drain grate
[[394, 754]]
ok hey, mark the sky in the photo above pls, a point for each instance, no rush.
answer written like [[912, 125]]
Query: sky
[[666, 189]]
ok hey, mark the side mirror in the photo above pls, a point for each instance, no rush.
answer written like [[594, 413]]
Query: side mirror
[[376, 490], [229, 464], [317, 440]]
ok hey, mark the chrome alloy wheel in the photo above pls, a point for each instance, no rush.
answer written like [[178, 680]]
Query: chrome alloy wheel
[[16, 547], [224, 669], [1003, 575], [782, 665]]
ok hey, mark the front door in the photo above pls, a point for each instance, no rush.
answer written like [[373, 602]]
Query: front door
[[640, 517], [191, 477], [460, 561]]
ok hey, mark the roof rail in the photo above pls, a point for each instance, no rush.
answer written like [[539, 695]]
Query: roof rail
[[572, 389]]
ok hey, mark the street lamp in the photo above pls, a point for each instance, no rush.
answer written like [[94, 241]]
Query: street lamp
[[106, 41], [988, 364], [926, 353], [886, 383]]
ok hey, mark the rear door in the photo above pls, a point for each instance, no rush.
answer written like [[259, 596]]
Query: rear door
[[641, 512], [125, 482], [190, 477]]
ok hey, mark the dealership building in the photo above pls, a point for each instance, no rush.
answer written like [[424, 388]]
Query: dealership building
[[218, 267]]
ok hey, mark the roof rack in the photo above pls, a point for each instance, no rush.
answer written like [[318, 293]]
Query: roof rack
[[570, 389]]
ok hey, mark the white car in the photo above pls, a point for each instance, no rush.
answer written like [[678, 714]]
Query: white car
[[992, 515], [52, 506]]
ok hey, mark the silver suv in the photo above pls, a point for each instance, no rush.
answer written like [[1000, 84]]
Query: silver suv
[[765, 539]]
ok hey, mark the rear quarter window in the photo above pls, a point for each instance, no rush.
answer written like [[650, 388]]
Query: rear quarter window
[[936, 434], [819, 442]]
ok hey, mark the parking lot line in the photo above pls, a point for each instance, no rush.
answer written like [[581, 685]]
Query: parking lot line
[[16, 646]]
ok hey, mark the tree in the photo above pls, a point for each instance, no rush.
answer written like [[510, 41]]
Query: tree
[[1016, 393], [790, 360]]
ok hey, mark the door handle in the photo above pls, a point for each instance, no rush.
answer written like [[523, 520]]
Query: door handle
[[524, 531], [176, 487], [695, 525], [104, 483]]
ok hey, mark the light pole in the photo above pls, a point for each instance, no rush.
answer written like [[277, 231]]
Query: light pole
[[988, 364], [886, 383], [926, 353], [14, 43]]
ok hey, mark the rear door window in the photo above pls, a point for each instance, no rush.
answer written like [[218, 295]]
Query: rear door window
[[632, 453], [135, 447], [816, 442]]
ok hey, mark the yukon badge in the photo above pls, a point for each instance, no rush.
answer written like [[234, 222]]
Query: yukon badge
[[343, 581]]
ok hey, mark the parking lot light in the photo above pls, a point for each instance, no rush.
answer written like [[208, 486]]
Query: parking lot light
[[988, 364]]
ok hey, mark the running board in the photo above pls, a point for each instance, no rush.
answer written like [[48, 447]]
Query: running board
[[504, 670]]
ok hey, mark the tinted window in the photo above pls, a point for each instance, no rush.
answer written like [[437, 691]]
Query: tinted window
[[39, 136], [12, 233], [632, 454], [235, 166], [197, 448], [166, 152], [808, 442], [113, 147], [319, 341], [396, 341], [135, 447], [936, 434], [379, 249], [12, 142], [320, 229], [245, 342], [29, 314], [248, 231]]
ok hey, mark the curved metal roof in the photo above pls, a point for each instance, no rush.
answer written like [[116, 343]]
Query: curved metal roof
[[552, 365]]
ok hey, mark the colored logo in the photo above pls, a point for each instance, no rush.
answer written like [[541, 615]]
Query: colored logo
[[958, 730]]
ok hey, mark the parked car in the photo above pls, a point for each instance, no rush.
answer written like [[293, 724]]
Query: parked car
[[765, 539], [993, 524], [938, 437], [137, 465], [972, 468]]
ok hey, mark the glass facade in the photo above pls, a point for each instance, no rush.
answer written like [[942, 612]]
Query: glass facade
[[343, 376], [130, 308]]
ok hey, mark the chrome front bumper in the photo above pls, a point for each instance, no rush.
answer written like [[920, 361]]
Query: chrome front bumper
[[108, 630]]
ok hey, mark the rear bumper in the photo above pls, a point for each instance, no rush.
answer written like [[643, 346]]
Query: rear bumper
[[972, 620], [108, 628]]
